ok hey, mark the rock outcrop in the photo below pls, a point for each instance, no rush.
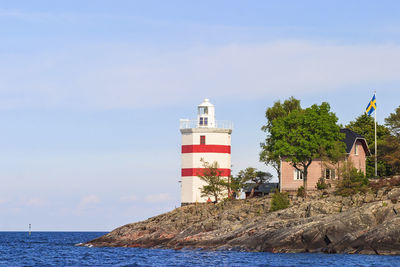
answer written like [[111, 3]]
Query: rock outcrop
[[368, 224]]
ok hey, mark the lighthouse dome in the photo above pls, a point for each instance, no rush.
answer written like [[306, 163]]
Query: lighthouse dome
[[206, 103]]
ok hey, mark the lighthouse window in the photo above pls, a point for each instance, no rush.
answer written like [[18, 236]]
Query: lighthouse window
[[203, 110], [202, 139], [203, 121]]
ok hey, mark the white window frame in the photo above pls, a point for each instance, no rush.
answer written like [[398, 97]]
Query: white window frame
[[203, 110], [298, 175], [331, 171], [355, 148], [203, 121]]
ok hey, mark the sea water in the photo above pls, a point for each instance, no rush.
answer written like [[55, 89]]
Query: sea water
[[58, 249]]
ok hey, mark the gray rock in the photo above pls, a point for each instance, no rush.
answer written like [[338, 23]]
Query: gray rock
[[358, 224]]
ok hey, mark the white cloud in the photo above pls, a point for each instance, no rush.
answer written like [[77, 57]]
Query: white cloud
[[132, 77], [89, 200], [87, 204], [128, 198], [155, 198], [35, 202]]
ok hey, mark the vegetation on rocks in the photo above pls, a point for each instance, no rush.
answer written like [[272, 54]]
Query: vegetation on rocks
[[361, 223], [301, 191], [321, 184], [352, 181], [279, 201], [252, 175]]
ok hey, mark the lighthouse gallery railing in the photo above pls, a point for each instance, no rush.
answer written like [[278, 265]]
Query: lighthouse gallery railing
[[186, 124]]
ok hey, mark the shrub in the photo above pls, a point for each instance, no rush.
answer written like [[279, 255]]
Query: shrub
[[321, 184], [279, 201], [301, 192], [353, 181]]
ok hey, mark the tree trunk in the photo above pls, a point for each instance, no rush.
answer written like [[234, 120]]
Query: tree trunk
[[251, 193], [305, 172]]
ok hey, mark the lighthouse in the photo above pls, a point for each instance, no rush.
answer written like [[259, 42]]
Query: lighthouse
[[204, 138]]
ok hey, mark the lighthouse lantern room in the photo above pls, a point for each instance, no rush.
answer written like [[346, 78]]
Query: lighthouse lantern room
[[207, 139]]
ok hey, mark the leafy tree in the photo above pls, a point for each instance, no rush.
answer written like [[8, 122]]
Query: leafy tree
[[215, 183], [251, 174], [365, 126], [233, 186], [279, 201], [304, 135], [391, 153], [391, 147], [393, 122], [277, 111]]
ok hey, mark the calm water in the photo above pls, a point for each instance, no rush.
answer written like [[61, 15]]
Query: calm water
[[57, 249]]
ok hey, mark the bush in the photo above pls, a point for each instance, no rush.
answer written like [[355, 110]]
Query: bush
[[321, 184], [301, 192], [353, 182], [279, 201]]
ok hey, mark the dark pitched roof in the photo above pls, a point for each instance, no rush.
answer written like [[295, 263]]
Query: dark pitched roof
[[351, 137], [263, 188]]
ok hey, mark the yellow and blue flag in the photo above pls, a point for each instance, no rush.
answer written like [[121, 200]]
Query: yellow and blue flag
[[371, 106]]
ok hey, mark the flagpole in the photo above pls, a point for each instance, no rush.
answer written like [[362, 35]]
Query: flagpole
[[376, 146]]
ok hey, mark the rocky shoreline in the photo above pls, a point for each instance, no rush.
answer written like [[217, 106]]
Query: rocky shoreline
[[363, 223]]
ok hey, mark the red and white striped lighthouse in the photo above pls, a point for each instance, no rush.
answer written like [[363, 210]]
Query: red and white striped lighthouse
[[203, 138]]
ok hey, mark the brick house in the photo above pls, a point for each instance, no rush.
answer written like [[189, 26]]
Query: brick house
[[357, 152]]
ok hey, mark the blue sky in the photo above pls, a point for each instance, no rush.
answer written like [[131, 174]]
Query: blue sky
[[91, 92]]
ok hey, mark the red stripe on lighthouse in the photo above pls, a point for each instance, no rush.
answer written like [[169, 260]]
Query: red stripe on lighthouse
[[206, 149], [200, 171]]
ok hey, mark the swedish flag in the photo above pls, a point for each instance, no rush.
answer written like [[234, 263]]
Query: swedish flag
[[371, 106]]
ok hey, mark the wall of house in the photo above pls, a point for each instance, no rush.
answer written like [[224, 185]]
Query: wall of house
[[315, 171], [358, 159]]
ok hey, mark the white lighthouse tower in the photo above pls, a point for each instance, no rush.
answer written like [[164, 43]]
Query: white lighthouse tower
[[203, 138]]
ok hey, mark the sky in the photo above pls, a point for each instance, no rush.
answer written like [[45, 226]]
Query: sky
[[91, 93]]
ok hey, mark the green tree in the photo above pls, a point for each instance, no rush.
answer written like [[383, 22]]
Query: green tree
[[393, 122], [390, 149], [365, 126], [251, 174], [303, 135], [277, 111], [234, 185], [215, 183]]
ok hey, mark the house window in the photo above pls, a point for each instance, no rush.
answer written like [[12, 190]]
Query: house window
[[203, 110], [355, 149], [297, 175], [202, 139], [330, 174], [203, 121]]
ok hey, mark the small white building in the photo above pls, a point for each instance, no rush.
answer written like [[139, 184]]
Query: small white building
[[203, 138]]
